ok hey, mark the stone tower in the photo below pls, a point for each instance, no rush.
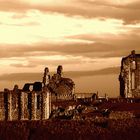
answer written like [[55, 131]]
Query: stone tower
[[130, 76]]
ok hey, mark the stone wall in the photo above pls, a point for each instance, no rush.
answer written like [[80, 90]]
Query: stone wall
[[130, 76], [137, 73], [24, 105], [2, 112], [61, 88]]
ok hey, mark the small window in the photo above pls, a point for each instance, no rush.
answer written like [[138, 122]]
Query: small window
[[38, 101], [14, 101], [29, 105]]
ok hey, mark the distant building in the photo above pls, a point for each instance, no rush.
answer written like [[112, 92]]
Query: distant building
[[130, 76]]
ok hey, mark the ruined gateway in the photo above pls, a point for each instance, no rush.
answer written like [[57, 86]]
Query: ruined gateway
[[130, 76]]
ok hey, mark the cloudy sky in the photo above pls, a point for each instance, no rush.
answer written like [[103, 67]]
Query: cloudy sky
[[89, 36]]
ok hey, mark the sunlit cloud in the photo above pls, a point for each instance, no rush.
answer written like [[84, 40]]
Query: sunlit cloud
[[47, 29]]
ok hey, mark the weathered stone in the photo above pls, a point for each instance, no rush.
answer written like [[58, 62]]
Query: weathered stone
[[46, 76], [130, 76], [21, 105], [33, 102], [60, 87]]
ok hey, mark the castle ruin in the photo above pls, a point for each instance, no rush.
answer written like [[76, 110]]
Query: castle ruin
[[33, 102], [61, 88], [25, 104], [130, 76]]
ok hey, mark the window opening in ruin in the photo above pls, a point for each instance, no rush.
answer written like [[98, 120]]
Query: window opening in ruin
[[29, 101], [14, 101], [38, 101]]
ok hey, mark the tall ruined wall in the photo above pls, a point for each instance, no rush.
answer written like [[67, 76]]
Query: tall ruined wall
[[2, 110], [25, 105], [125, 77], [130, 76], [137, 80]]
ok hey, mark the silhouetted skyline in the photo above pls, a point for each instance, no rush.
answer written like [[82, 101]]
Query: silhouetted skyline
[[81, 35]]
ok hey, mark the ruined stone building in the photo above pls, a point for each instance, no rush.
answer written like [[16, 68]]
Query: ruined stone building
[[130, 76], [33, 102], [60, 88], [25, 104]]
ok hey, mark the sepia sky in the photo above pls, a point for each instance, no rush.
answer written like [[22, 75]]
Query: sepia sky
[[89, 36]]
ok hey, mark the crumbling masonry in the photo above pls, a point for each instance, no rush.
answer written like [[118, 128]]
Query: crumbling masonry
[[130, 76], [60, 88], [33, 102], [25, 104]]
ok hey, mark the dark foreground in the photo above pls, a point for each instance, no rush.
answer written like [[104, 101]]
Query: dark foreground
[[105, 129]]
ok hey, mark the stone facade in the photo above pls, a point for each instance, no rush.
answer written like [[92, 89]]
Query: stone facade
[[61, 88], [130, 76], [33, 102], [23, 105]]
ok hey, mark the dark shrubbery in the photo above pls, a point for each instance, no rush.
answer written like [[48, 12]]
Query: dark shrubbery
[[103, 129]]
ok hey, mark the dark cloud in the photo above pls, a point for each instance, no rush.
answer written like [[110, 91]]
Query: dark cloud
[[72, 74], [14, 6], [21, 76], [44, 49], [104, 46], [111, 45], [19, 65], [106, 71], [36, 62], [126, 12], [129, 13]]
